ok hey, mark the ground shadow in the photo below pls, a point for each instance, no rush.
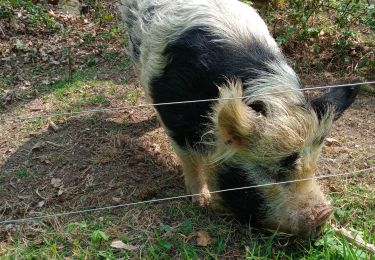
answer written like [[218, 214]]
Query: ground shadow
[[89, 162]]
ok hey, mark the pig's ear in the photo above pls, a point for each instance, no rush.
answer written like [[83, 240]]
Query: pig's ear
[[236, 121], [336, 99]]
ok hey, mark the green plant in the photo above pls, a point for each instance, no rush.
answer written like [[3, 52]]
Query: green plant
[[91, 61], [110, 55], [37, 16], [5, 10], [338, 27], [99, 236], [98, 100], [76, 227], [88, 38], [132, 95], [22, 173], [101, 14]]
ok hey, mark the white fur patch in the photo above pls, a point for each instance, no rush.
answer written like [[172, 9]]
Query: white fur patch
[[229, 19]]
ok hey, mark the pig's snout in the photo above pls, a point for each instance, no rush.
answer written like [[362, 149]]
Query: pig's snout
[[313, 227]]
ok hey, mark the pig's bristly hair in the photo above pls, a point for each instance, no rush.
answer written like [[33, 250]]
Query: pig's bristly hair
[[286, 128], [150, 32], [206, 49], [289, 126]]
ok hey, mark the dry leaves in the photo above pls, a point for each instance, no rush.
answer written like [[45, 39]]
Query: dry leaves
[[37, 146], [332, 141], [40, 204], [203, 238], [118, 244], [56, 182]]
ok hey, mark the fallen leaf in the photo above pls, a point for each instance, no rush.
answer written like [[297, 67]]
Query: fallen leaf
[[116, 199], [37, 146], [35, 109], [43, 159], [203, 238], [56, 182], [333, 188], [23, 197], [40, 204], [55, 144], [55, 62], [46, 82], [332, 141], [60, 192], [118, 244]]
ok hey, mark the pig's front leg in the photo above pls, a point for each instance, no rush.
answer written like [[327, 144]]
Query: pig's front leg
[[195, 176]]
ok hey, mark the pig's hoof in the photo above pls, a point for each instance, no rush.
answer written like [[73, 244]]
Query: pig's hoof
[[203, 199]]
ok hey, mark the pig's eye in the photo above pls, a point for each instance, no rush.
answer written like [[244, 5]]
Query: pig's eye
[[260, 107], [289, 162]]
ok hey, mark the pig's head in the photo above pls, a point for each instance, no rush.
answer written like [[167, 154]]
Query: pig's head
[[276, 138]]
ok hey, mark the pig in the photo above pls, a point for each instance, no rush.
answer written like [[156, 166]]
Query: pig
[[261, 129]]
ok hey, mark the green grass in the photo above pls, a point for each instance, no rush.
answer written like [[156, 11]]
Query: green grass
[[5, 83], [22, 173], [166, 231], [81, 92], [34, 124], [25, 173], [132, 95], [110, 54], [125, 64]]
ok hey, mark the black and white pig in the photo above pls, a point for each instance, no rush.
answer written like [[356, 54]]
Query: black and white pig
[[206, 49]]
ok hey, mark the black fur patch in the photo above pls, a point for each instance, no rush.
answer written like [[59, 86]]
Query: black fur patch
[[338, 98], [198, 63], [287, 165], [289, 162], [248, 204], [260, 107]]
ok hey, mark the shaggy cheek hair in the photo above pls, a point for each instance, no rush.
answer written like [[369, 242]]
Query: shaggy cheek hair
[[286, 129]]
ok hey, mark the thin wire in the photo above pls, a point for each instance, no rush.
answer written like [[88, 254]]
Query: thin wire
[[76, 113], [177, 197]]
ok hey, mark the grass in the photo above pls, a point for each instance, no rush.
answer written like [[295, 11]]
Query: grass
[[132, 95], [168, 231], [21, 173], [82, 92], [34, 124]]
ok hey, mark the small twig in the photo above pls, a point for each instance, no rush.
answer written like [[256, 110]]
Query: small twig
[[2, 31], [39, 195], [53, 126], [355, 239], [12, 184], [55, 144], [70, 64]]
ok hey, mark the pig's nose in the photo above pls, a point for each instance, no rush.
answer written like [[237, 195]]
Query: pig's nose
[[323, 215]]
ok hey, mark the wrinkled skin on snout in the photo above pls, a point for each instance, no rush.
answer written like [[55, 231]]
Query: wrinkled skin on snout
[[297, 208]]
